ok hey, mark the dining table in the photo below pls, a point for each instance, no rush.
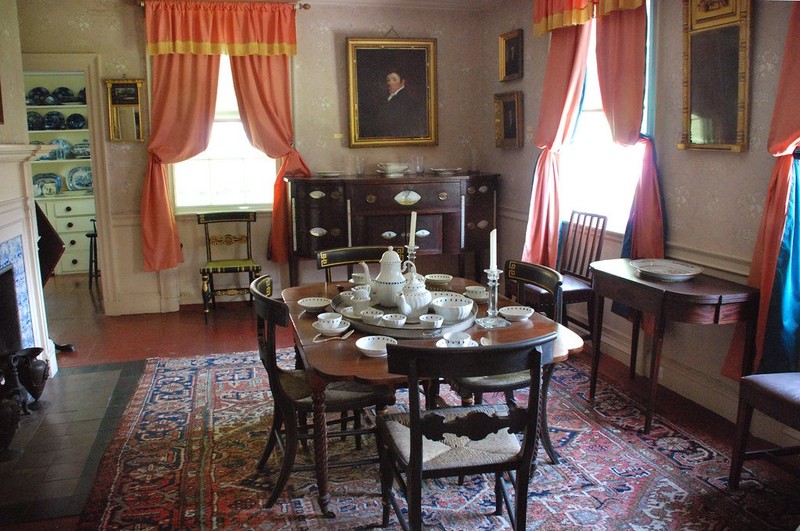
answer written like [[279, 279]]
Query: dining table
[[340, 360]]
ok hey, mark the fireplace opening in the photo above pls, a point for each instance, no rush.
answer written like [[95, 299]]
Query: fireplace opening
[[10, 334]]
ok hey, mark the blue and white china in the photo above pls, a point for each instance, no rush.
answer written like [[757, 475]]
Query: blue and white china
[[76, 121], [63, 95], [82, 95], [40, 179], [82, 150], [64, 150], [38, 96], [80, 178], [55, 120], [35, 121]]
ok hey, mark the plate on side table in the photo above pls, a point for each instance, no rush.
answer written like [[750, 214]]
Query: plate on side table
[[665, 270]]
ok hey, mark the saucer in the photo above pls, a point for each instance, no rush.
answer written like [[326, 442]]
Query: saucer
[[331, 331], [478, 298], [349, 313], [443, 344]]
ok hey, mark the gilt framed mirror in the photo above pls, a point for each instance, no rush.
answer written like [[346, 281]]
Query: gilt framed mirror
[[716, 75], [125, 110]]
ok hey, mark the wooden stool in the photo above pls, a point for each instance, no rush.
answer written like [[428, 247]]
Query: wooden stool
[[94, 271]]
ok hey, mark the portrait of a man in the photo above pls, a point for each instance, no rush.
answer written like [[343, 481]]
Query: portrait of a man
[[391, 94]]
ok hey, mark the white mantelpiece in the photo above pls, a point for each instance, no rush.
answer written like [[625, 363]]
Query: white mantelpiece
[[19, 235]]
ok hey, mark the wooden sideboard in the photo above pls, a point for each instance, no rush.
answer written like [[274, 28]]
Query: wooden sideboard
[[454, 214]]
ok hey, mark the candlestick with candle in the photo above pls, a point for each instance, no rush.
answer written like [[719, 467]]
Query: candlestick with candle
[[492, 319], [493, 249], [412, 230]]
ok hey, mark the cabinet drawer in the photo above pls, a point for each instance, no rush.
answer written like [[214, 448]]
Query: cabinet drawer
[[479, 211], [74, 241], [82, 224], [74, 262], [427, 197], [74, 207]]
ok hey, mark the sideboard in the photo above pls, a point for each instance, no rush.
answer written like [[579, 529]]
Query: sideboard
[[455, 214]]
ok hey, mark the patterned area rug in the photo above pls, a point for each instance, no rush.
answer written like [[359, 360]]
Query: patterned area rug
[[185, 452]]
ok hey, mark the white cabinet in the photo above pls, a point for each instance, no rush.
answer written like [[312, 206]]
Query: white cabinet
[[63, 180]]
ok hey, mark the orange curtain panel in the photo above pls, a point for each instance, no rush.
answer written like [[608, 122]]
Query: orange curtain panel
[[549, 15], [777, 320], [186, 39], [561, 97]]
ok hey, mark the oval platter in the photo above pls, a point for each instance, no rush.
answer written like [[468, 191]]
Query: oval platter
[[80, 178], [665, 270]]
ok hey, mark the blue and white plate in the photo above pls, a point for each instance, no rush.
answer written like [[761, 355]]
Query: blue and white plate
[[80, 178], [41, 178], [63, 94], [35, 121], [64, 150], [76, 121], [55, 120]]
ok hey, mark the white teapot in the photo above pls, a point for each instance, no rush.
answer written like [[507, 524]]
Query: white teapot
[[389, 281], [414, 298]]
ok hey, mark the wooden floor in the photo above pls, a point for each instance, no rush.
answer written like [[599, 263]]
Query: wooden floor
[[75, 316]]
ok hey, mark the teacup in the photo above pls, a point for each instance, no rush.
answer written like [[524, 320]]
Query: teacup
[[346, 296], [476, 291], [457, 339], [372, 316], [394, 320], [360, 279], [431, 320], [329, 320], [361, 291], [360, 304]]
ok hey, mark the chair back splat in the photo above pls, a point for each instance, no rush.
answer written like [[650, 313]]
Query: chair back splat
[[421, 444], [227, 251], [349, 256]]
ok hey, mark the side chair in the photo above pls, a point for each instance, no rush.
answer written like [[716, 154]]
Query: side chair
[[236, 258], [421, 445], [523, 275], [350, 256], [291, 394]]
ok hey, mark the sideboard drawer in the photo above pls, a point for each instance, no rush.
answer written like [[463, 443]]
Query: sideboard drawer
[[420, 197], [74, 207]]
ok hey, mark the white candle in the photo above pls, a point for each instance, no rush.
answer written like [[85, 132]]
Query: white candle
[[413, 229], [493, 249]]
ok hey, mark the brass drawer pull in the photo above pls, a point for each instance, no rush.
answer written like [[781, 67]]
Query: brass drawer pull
[[371, 198], [316, 194], [336, 195], [443, 196]]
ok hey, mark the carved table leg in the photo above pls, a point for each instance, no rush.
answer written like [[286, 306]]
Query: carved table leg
[[321, 447]]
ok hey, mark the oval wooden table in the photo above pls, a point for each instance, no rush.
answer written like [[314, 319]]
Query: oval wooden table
[[339, 360]]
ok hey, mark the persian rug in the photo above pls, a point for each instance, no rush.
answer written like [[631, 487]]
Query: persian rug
[[185, 452]]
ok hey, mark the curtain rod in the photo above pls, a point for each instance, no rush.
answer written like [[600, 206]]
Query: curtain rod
[[299, 6]]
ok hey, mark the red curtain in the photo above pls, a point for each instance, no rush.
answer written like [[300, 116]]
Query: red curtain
[[561, 96], [784, 138], [549, 15], [186, 39]]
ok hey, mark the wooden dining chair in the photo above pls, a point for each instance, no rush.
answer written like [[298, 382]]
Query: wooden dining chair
[[291, 394], [350, 256], [458, 441], [228, 251], [581, 244], [524, 276]]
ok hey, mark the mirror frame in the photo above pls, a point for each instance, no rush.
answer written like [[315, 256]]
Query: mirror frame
[[124, 95], [701, 21]]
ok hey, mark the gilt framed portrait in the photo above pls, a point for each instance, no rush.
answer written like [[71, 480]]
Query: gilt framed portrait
[[510, 56], [392, 92], [508, 120]]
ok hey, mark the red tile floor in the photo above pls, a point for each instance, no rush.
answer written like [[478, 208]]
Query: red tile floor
[[75, 315]]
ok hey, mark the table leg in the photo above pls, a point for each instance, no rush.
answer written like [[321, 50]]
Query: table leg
[[655, 363], [637, 324], [321, 448], [596, 342]]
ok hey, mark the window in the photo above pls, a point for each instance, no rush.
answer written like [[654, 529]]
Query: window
[[230, 173], [598, 175]]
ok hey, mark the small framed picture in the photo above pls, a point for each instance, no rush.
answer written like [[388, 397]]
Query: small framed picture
[[508, 120], [511, 52]]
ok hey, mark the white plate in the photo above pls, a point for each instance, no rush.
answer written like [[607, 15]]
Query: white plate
[[349, 313], [331, 331], [445, 171], [314, 304], [516, 313], [666, 270], [443, 344], [478, 298], [332, 173]]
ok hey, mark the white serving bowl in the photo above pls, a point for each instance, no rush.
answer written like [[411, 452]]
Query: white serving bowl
[[372, 316], [453, 309], [344, 325], [438, 278], [394, 320], [374, 346], [314, 304], [393, 167], [516, 313]]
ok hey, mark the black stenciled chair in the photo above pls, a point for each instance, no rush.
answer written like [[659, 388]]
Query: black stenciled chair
[[582, 244], [291, 393], [94, 268], [221, 239], [420, 445], [520, 277], [350, 256]]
